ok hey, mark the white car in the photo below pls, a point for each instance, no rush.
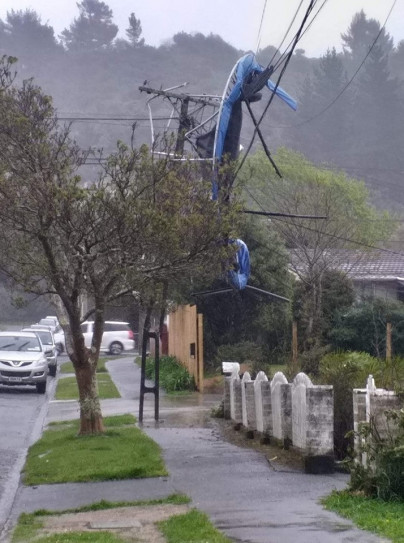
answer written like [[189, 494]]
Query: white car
[[58, 335], [23, 360], [117, 336], [52, 322], [48, 343]]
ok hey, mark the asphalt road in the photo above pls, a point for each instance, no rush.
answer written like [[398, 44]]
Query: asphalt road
[[23, 412]]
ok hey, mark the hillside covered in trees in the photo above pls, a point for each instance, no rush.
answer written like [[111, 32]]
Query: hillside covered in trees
[[351, 105]]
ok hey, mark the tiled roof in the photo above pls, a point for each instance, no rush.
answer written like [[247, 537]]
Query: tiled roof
[[365, 266]]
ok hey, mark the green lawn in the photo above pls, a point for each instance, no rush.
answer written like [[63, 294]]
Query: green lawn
[[122, 452], [377, 516], [66, 388], [67, 367], [192, 527]]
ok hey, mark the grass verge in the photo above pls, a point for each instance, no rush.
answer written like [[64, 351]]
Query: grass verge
[[66, 388], [29, 524], [377, 516], [192, 527], [67, 367], [122, 452]]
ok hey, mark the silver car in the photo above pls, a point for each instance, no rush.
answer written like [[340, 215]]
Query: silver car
[[23, 360], [48, 343]]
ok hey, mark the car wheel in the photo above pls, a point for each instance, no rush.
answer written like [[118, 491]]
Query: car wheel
[[52, 370], [116, 348], [41, 387]]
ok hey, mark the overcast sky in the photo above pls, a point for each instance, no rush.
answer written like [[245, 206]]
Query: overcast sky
[[236, 21]]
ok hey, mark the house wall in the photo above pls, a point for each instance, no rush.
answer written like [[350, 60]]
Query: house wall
[[387, 290]]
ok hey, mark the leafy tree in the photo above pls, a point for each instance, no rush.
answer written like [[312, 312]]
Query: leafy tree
[[397, 60], [142, 222], [316, 246], [363, 327], [134, 31], [360, 36], [93, 29], [330, 122], [23, 32]]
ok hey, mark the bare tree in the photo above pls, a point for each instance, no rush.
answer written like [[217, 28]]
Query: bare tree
[[142, 221]]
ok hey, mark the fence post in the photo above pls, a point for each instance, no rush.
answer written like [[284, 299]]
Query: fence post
[[294, 346], [388, 341]]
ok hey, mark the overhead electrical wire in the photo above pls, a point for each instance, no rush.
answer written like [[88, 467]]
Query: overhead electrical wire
[[286, 33], [132, 119], [260, 27], [284, 54], [286, 62], [334, 236]]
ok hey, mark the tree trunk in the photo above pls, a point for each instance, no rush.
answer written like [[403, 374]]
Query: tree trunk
[[85, 364], [90, 409]]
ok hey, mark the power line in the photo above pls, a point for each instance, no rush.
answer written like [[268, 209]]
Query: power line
[[132, 119], [304, 31], [342, 238], [286, 33], [334, 236], [260, 27], [286, 62]]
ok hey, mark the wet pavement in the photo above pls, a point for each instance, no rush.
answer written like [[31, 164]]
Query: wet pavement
[[248, 498]]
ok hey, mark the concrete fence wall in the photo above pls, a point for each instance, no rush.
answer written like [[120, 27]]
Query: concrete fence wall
[[370, 404], [297, 414]]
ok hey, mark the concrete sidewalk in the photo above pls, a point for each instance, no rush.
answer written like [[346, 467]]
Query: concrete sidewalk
[[245, 496]]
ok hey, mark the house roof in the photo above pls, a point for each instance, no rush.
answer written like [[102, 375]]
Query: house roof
[[358, 265]]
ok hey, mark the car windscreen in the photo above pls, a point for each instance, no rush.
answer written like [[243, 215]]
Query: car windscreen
[[19, 343], [45, 337], [47, 322]]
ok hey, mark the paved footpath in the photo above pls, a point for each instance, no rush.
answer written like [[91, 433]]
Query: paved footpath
[[248, 499]]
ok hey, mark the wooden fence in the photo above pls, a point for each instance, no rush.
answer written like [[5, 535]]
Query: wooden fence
[[185, 340]]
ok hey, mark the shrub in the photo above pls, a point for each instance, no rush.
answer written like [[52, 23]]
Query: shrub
[[246, 352], [363, 327], [390, 480], [383, 473], [345, 371], [174, 377]]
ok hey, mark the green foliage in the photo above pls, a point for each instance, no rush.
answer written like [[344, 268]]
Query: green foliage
[[345, 371], [363, 327], [174, 377], [381, 474], [245, 352], [316, 247]]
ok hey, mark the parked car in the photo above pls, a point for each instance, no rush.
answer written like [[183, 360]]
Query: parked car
[[52, 322], [23, 360], [59, 337], [48, 343], [117, 336]]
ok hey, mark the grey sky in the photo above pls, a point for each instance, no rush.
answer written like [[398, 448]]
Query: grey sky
[[237, 21]]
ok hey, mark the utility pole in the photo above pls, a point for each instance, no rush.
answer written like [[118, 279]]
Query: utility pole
[[181, 103]]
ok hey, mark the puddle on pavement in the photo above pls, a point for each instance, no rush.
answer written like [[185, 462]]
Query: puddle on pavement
[[191, 410]]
